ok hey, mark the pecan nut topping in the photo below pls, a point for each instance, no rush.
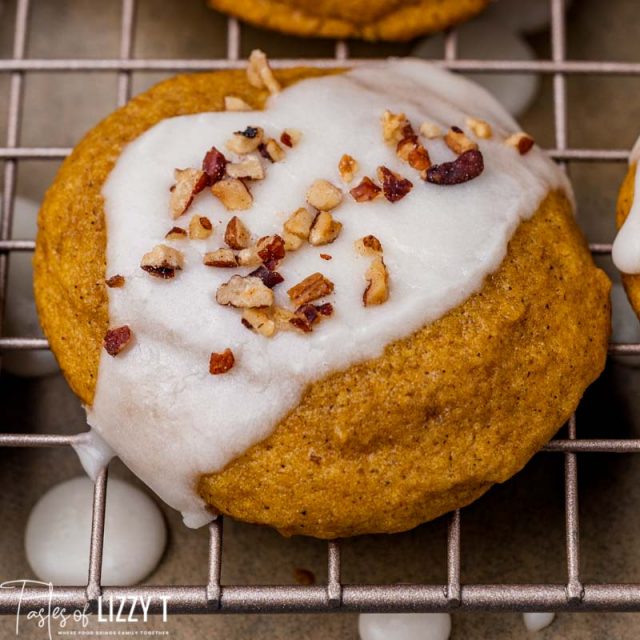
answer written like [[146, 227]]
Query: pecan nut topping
[[220, 363], [465, 167], [233, 194], [115, 282], [311, 288], [394, 186], [244, 292], [221, 258], [162, 261], [368, 246], [214, 165], [521, 141], [115, 340], [189, 182], [200, 228], [324, 229], [234, 103], [367, 190], [377, 277], [347, 167], [236, 235], [259, 73], [323, 195], [458, 142]]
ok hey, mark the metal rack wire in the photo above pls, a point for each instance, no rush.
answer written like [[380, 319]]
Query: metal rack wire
[[212, 597]]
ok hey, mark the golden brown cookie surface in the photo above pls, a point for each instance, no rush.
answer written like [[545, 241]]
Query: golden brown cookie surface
[[388, 443], [365, 19], [444, 414], [625, 200]]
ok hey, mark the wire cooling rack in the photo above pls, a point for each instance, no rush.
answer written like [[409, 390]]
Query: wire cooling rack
[[573, 595]]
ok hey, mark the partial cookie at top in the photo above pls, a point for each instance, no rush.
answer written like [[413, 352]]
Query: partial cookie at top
[[363, 19]]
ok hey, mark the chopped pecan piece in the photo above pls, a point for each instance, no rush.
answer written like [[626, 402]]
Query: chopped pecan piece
[[271, 250], [260, 321], [307, 315], [268, 277], [430, 130], [480, 128], [272, 151], [299, 223], [176, 233], [326, 256], [465, 167], [377, 277], [233, 194], [291, 242], [214, 165], [367, 190], [115, 282], [324, 230], [311, 288], [244, 292], [347, 167], [200, 228], [394, 126], [162, 261], [221, 362], [248, 257], [259, 73], [323, 195], [233, 103], [250, 168], [243, 142], [394, 186], [325, 309], [236, 235], [411, 151], [419, 159], [222, 258], [282, 318], [290, 137], [405, 147], [115, 340], [520, 141], [368, 246], [189, 182], [458, 142]]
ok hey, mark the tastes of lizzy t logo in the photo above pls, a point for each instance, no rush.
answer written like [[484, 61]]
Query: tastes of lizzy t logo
[[52, 619]]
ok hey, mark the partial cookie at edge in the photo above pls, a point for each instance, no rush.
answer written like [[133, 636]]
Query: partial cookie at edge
[[625, 201], [364, 19]]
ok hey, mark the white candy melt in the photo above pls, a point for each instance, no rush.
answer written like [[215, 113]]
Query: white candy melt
[[485, 39], [528, 16], [404, 626], [156, 404], [537, 621], [59, 529], [626, 247]]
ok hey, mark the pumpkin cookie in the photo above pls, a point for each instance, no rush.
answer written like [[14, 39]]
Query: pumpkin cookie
[[310, 300], [626, 248], [367, 20]]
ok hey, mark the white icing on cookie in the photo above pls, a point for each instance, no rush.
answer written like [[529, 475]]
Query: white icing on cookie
[[156, 403], [626, 247]]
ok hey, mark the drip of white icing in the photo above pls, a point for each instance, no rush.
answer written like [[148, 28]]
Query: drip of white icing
[[94, 453], [156, 403], [626, 247]]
